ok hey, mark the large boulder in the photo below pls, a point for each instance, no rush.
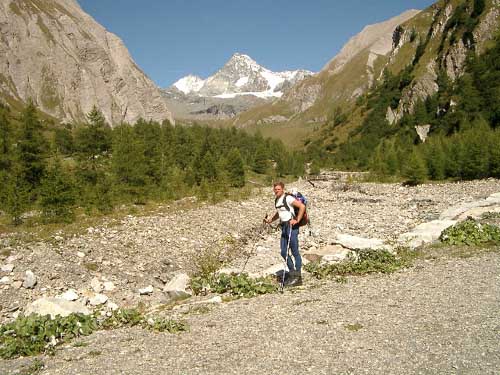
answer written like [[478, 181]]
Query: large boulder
[[55, 306], [177, 288], [360, 243], [425, 233]]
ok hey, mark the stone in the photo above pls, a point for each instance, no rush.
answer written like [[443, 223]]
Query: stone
[[7, 268], [80, 254], [146, 291], [327, 254], [360, 243], [5, 280], [112, 306], [17, 284], [55, 306], [30, 280], [96, 285], [422, 131], [98, 299], [177, 287], [69, 295], [425, 233], [109, 286]]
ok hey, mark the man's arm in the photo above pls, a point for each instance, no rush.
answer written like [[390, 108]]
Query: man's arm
[[274, 217], [302, 208]]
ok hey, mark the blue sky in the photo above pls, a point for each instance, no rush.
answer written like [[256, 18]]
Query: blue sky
[[169, 39]]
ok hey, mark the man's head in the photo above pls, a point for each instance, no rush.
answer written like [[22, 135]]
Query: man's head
[[279, 189]]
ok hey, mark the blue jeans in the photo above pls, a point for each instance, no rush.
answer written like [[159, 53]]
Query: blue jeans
[[294, 246]]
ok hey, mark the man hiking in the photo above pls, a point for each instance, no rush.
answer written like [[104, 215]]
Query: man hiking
[[289, 220]]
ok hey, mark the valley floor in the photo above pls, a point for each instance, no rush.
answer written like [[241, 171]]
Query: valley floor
[[439, 316]]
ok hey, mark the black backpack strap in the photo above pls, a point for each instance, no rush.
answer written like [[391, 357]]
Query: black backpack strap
[[285, 204]]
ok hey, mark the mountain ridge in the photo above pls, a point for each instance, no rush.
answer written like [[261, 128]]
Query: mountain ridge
[[58, 56], [240, 75]]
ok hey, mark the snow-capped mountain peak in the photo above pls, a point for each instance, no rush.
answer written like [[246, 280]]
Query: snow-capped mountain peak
[[241, 75], [189, 84]]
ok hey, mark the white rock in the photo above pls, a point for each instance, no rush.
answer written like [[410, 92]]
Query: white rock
[[425, 233], [360, 243], [69, 295], [109, 286], [8, 268], [112, 306], [146, 291], [177, 287], [29, 280], [338, 257], [96, 285], [215, 299], [54, 307], [98, 299], [5, 280], [262, 249], [80, 254]]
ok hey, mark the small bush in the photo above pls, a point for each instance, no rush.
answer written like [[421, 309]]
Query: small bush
[[369, 261], [469, 232], [236, 285], [36, 334]]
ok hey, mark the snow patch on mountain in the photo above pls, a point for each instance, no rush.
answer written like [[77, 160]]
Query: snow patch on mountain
[[242, 81], [189, 84], [241, 75]]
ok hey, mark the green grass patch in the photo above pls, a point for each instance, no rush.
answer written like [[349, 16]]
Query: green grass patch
[[235, 285], [353, 327], [366, 262], [35, 334], [471, 233]]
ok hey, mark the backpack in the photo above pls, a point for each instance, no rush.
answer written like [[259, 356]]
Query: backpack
[[300, 197]]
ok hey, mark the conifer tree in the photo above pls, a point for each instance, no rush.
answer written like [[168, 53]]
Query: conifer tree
[[494, 152], [93, 139], [57, 194], [235, 168], [208, 167], [129, 163], [32, 148], [5, 139], [260, 163], [415, 171], [16, 195], [436, 159], [63, 139]]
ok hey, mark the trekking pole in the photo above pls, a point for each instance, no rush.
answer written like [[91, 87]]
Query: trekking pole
[[286, 257]]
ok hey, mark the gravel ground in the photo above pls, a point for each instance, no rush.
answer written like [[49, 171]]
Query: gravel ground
[[439, 317]]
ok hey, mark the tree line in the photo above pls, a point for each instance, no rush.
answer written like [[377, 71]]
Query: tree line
[[97, 167]]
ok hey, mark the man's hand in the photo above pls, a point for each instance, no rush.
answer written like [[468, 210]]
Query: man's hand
[[293, 222]]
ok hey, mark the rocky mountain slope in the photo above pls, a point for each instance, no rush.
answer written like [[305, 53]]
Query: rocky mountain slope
[[55, 54], [239, 84], [428, 42], [350, 73]]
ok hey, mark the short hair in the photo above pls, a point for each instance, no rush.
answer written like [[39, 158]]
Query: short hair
[[279, 183]]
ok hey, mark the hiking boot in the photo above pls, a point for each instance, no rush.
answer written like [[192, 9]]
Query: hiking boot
[[294, 279]]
